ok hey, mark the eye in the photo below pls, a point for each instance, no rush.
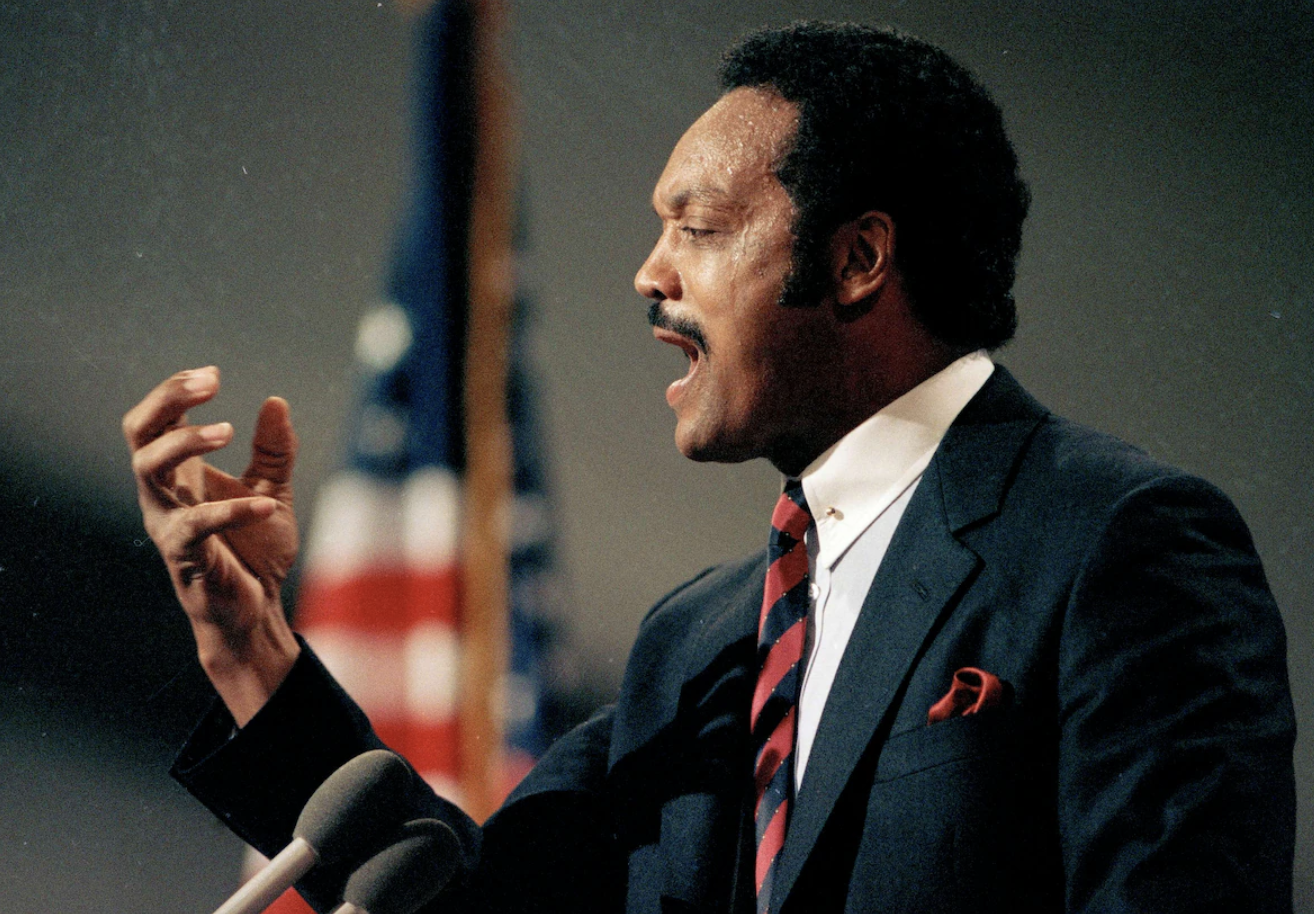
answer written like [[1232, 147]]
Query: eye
[[693, 232]]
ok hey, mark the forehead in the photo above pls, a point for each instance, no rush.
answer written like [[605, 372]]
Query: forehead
[[730, 153]]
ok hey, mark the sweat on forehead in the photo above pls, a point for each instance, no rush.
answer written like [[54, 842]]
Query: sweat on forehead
[[740, 139]]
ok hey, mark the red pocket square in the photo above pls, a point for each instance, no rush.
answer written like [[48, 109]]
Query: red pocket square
[[973, 690]]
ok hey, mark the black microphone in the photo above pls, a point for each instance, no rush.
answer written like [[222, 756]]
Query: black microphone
[[350, 815], [407, 874]]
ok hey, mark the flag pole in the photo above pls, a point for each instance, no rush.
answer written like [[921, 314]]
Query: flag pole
[[488, 477]]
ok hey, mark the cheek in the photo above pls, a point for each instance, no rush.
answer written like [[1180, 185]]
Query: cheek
[[763, 255], [752, 287], [790, 358], [759, 375]]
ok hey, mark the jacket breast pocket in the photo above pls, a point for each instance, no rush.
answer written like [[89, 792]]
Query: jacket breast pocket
[[990, 733], [959, 815]]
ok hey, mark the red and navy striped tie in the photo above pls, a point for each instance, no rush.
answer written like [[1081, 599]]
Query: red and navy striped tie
[[781, 633]]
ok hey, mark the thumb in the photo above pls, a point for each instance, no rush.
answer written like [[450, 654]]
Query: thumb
[[274, 447]]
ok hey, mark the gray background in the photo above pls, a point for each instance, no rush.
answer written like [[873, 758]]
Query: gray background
[[185, 184]]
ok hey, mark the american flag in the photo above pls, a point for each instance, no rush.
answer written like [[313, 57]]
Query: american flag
[[380, 595], [381, 591]]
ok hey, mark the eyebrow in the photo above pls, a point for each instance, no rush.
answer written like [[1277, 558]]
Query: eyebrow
[[697, 194]]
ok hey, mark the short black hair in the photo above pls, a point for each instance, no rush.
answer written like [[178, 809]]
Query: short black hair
[[888, 122]]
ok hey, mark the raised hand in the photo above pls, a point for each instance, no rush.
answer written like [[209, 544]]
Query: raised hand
[[228, 543]]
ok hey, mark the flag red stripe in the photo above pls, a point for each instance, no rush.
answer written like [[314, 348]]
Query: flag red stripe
[[289, 903], [382, 600], [427, 745]]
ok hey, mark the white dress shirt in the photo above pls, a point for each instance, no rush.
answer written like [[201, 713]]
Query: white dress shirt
[[857, 491]]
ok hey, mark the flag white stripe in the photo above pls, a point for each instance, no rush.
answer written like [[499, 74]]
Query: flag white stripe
[[394, 675], [363, 523]]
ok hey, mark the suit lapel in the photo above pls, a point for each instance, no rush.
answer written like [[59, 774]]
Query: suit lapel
[[923, 570]]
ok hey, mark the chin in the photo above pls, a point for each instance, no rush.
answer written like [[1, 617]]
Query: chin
[[703, 449]]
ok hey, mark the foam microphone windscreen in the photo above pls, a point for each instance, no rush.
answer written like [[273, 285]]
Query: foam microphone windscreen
[[348, 818], [407, 874], [357, 807]]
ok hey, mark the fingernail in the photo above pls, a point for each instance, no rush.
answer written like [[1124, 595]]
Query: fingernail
[[200, 380], [220, 431]]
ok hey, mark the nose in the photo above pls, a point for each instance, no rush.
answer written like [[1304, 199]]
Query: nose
[[657, 277]]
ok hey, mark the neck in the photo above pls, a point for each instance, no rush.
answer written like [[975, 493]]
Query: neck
[[865, 394]]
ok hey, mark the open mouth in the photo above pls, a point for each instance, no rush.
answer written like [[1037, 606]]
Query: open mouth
[[690, 349], [683, 343], [686, 336], [676, 327]]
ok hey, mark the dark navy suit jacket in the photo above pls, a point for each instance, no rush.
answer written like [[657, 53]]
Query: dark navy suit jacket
[[1143, 761]]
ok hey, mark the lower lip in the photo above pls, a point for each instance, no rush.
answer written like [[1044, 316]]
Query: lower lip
[[677, 389]]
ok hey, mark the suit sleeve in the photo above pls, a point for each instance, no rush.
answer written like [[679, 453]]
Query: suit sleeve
[[257, 780], [1176, 786]]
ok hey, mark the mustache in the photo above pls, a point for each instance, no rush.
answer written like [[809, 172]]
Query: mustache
[[686, 327]]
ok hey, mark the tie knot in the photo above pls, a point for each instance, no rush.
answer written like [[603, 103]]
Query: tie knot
[[792, 516]]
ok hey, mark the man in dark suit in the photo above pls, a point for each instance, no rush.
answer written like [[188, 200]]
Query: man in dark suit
[[1021, 667]]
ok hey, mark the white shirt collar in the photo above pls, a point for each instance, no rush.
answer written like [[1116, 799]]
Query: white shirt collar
[[855, 480]]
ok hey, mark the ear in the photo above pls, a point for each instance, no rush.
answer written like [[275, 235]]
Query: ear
[[863, 257]]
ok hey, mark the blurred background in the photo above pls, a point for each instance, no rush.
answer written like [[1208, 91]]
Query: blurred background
[[191, 184]]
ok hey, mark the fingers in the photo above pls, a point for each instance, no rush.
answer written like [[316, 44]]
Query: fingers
[[190, 528], [155, 462], [220, 485], [166, 406], [273, 449]]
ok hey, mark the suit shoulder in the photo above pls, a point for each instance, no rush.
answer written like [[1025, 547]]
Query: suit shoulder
[[704, 631], [1082, 466], [1055, 457], [713, 608], [705, 591], [1076, 491]]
